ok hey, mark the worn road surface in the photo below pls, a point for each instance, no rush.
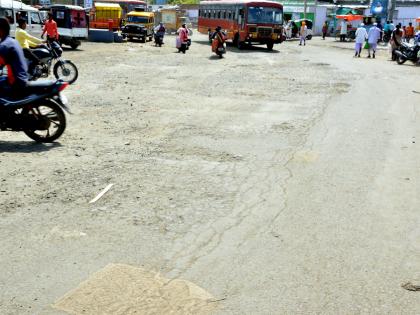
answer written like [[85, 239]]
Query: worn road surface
[[282, 182]]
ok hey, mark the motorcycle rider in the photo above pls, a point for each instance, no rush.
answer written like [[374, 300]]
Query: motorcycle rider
[[183, 38], [27, 42], [396, 40], [218, 38], [159, 32], [11, 56]]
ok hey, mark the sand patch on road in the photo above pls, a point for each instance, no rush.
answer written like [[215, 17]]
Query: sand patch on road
[[122, 289]]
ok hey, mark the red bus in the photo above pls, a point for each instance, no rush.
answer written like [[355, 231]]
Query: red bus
[[244, 21]]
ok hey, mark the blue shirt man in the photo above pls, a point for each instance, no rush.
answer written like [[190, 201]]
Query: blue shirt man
[[11, 55]]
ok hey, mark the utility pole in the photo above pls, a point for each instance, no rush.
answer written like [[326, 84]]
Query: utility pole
[[391, 9], [305, 8]]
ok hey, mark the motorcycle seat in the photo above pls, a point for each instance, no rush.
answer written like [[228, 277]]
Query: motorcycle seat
[[30, 93], [39, 86]]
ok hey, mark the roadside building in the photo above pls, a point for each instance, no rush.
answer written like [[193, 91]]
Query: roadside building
[[295, 10]]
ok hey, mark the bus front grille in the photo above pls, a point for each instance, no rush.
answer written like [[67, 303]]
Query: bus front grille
[[265, 31]]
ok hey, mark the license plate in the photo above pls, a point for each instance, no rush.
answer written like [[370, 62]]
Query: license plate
[[63, 99]]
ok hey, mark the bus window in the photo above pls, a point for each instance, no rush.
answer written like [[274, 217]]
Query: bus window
[[241, 15], [265, 15]]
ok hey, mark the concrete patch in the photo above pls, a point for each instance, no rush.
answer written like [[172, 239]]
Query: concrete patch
[[122, 289], [306, 156]]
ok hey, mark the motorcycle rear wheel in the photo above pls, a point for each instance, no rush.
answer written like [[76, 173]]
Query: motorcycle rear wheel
[[66, 70], [51, 121], [401, 60]]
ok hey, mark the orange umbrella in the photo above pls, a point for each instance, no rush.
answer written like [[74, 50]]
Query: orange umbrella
[[350, 17]]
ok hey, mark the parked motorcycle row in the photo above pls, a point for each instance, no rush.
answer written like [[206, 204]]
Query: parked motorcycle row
[[39, 111]]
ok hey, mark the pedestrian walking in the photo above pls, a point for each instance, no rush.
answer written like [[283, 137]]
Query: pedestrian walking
[[303, 33], [288, 30], [50, 27], [409, 32], [324, 30], [343, 30], [373, 37], [361, 37], [404, 34]]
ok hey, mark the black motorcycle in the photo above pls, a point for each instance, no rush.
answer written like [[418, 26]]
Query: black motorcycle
[[159, 39], [407, 52], [50, 56], [37, 111]]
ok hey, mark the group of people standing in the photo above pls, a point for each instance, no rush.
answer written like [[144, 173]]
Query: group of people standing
[[407, 31]]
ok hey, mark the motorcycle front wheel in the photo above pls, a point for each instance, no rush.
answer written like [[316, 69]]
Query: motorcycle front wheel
[[66, 70], [46, 121]]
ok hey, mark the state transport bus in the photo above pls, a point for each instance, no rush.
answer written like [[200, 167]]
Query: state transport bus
[[244, 21]]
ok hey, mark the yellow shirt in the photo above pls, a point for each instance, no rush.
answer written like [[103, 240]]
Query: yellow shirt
[[25, 40]]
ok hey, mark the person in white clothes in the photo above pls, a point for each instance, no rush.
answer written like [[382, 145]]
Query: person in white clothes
[[361, 37], [303, 33], [373, 37], [343, 30]]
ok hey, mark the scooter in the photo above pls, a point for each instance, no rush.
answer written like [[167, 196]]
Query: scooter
[[38, 111], [218, 46], [408, 52]]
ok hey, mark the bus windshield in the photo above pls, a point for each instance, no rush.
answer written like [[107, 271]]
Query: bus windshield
[[138, 19], [265, 15]]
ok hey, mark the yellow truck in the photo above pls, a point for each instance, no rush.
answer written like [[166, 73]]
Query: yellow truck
[[139, 25], [106, 16]]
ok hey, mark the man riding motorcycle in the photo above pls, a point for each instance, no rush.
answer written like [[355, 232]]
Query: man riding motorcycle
[[27, 42], [159, 34], [218, 40], [11, 56]]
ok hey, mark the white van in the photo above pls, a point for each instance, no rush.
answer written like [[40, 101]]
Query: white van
[[13, 10]]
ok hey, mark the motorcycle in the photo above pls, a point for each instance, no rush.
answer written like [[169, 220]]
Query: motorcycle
[[407, 52], [159, 39], [386, 37], [38, 112], [49, 55]]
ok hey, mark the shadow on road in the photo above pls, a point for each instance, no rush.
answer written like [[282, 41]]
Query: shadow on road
[[247, 48], [26, 146], [215, 57]]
